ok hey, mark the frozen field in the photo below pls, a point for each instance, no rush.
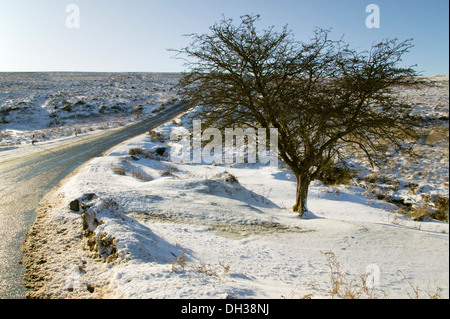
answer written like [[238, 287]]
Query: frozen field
[[54, 105], [136, 225]]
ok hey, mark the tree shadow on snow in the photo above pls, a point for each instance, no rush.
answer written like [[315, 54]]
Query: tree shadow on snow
[[219, 187]]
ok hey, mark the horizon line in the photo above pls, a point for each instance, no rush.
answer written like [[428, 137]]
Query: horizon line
[[129, 72], [91, 71]]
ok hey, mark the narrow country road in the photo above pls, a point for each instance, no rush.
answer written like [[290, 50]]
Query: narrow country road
[[26, 179]]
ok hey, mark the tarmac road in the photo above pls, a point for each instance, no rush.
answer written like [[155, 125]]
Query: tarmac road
[[26, 179]]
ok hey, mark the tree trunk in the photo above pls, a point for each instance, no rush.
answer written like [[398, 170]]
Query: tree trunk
[[301, 205]]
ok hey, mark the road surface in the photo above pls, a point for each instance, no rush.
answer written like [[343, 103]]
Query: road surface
[[26, 179]]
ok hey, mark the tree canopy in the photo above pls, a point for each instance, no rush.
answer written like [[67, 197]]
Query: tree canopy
[[322, 96]]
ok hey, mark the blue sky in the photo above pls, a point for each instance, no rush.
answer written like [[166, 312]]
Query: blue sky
[[134, 35]]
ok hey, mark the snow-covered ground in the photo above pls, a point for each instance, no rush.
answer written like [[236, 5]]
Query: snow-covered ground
[[137, 225], [51, 105]]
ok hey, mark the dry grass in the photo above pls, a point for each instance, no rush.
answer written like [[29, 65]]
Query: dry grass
[[415, 294], [156, 136], [118, 170], [442, 208], [420, 213], [141, 176], [181, 264], [342, 287], [362, 287], [139, 152], [439, 134], [437, 209], [168, 170]]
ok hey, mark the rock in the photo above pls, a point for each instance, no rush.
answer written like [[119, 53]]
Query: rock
[[161, 151], [75, 205], [88, 196]]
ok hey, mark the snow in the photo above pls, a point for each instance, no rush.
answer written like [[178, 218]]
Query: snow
[[151, 228], [244, 227], [52, 105]]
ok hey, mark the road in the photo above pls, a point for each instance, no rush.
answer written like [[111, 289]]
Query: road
[[26, 179]]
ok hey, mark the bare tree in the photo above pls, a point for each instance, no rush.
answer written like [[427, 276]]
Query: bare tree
[[322, 96]]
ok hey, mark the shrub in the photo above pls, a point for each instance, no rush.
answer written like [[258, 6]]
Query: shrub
[[335, 174], [141, 176], [442, 205], [168, 170], [156, 136], [118, 170], [229, 178], [420, 213], [138, 152], [135, 151]]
